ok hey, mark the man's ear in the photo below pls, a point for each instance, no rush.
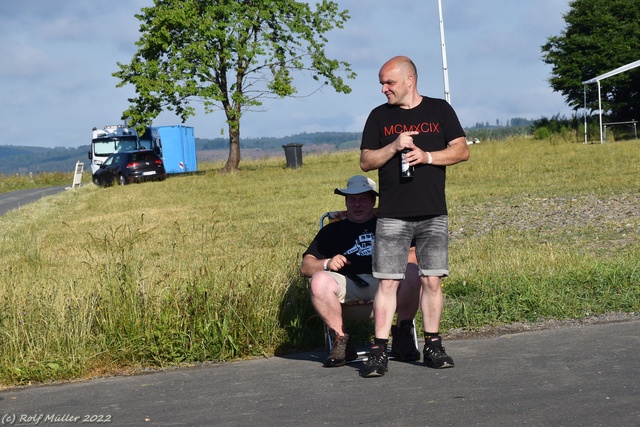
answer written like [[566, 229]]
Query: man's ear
[[412, 80]]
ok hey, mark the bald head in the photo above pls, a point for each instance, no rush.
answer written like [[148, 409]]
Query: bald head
[[404, 64], [399, 77]]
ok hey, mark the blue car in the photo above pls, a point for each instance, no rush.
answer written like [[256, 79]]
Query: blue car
[[130, 166]]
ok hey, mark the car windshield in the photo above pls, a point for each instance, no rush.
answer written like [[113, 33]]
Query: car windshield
[[104, 147]]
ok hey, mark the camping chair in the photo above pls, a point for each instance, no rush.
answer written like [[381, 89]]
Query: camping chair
[[354, 311]]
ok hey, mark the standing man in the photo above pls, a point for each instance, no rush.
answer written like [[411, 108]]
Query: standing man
[[410, 208]]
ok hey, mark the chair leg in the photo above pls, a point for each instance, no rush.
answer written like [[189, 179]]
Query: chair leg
[[328, 345]]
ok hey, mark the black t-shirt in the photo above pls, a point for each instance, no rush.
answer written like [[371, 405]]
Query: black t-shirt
[[424, 194], [353, 240]]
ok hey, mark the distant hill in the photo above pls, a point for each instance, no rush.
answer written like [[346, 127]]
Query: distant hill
[[19, 159]]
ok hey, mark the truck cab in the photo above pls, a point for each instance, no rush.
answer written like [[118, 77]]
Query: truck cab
[[111, 139]]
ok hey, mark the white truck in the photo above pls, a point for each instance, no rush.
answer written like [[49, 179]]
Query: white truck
[[111, 139]]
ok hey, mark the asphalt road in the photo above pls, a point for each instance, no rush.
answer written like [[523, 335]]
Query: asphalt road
[[15, 199], [572, 376]]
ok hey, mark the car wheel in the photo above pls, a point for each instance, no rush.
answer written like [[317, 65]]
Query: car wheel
[[122, 180]]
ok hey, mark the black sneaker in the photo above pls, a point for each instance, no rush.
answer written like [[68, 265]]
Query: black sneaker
[[435, 356], [376, 364], [403, 346], [342, 350]]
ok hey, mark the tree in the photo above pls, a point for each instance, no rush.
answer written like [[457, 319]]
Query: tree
[[228, 54], [600, 35]]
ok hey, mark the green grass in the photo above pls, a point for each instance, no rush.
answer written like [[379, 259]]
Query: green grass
[[205, 267]]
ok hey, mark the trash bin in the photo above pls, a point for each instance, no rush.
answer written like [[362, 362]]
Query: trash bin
[[293, 154]]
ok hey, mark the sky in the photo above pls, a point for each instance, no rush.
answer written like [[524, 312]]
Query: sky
[[58, 57]]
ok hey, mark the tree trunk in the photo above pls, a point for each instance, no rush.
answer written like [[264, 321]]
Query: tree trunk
[[233, 119], [233, 161]]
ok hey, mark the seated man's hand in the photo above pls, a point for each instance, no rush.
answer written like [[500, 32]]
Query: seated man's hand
[[337, 262]]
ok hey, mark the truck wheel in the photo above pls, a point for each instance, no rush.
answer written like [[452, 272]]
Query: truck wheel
[[122, 180]]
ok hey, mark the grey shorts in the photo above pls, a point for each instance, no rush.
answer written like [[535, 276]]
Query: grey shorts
[[393, 240], [352, 291]]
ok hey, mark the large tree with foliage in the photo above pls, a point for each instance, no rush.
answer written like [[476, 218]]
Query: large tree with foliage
[[228, 54], [600, 36]]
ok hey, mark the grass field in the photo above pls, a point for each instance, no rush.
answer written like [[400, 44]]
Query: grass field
[[204, 267]]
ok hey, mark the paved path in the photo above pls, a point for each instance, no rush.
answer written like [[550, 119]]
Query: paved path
[[15, 199], [572, 376]]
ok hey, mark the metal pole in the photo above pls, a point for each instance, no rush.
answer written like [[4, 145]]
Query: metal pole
[[445, 69], [600, 111], [585, 113]]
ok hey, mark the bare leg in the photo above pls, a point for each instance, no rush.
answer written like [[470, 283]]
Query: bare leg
[[384, 307], [324, 297], [431, 303]]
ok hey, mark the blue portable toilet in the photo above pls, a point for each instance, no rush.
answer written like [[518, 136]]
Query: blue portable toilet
[[178, 148]]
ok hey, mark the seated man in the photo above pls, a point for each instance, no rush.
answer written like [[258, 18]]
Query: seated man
[[338, 261]]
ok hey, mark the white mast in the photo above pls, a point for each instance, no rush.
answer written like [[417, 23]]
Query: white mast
[[445, 69]]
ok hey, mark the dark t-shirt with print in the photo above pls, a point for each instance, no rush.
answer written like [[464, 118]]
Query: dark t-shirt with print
[[424, 194], [353, 240]]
